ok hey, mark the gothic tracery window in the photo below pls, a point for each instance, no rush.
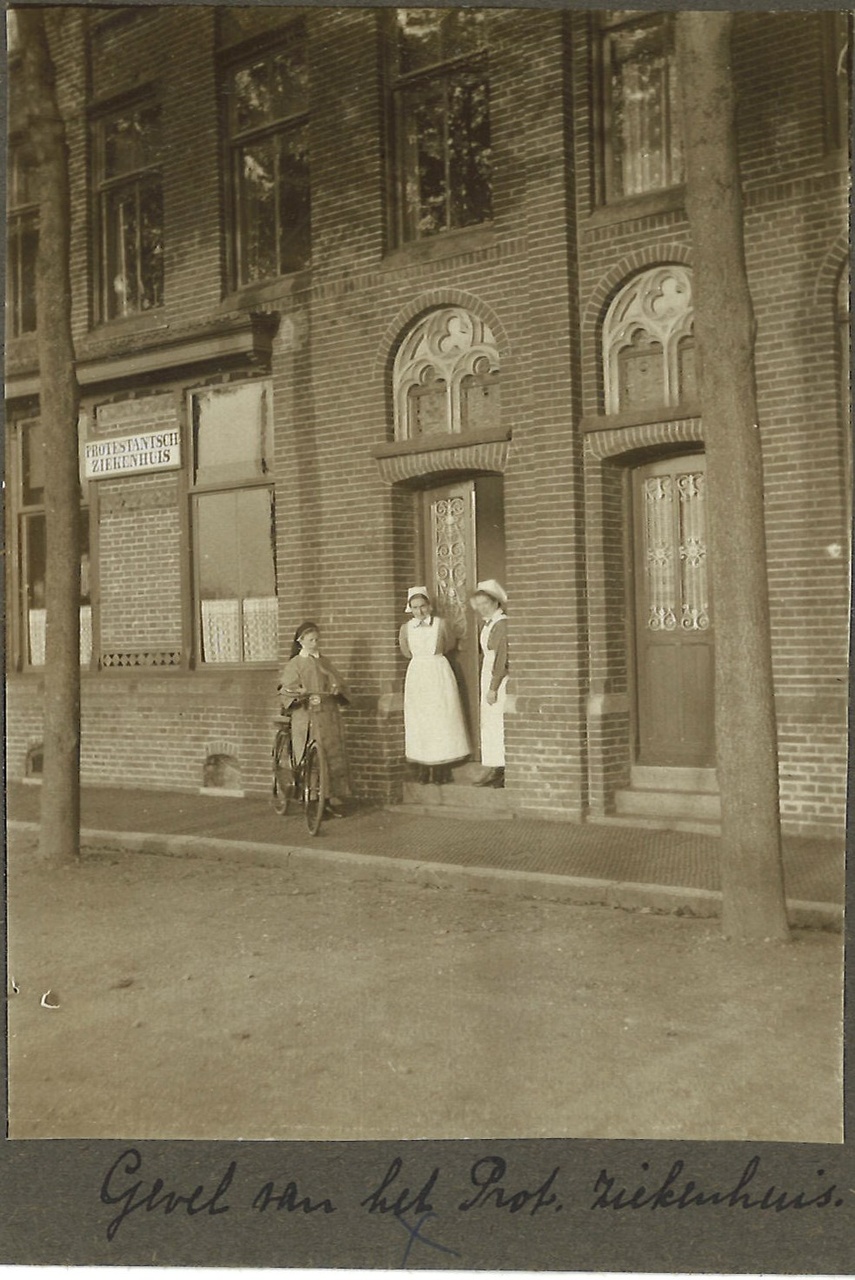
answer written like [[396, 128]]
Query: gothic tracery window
[[446, 376], [648, 355]]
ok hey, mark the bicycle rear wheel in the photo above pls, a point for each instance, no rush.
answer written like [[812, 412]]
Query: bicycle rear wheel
[[283, 773], [316, 791]]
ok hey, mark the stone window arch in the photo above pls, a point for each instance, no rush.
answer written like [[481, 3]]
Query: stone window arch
[[648, 344], [445, 378]]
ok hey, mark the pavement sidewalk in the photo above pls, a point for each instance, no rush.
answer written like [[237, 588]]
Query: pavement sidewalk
[[619, 866]]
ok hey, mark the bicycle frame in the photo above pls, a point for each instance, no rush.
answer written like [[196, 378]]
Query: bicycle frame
[[309, 776]]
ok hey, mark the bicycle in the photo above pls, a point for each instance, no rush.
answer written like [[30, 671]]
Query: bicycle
[[305, 781]]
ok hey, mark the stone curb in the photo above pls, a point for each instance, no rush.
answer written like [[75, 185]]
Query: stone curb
[[578, 890]]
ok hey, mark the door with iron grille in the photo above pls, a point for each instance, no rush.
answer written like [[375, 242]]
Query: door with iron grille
[[674, 655]]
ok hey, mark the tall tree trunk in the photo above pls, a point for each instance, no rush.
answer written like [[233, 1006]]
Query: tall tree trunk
[[747, 756], [58, 405]]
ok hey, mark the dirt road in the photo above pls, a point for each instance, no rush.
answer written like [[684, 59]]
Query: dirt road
[[201, 1000]]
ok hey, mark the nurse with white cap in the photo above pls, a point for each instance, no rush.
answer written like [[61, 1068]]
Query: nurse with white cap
[[489, 600], [434, 729]]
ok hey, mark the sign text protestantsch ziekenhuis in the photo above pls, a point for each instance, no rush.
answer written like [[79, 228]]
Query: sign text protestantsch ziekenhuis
[[123, 455]]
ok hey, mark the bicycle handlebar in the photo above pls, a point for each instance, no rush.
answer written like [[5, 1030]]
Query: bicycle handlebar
[[309, 699]]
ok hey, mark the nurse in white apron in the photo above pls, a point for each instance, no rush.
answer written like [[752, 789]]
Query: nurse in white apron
[[489, 601], [434, 729]]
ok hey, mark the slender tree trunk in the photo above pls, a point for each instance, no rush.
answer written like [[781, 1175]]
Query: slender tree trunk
[[58, 405], [747, 758]]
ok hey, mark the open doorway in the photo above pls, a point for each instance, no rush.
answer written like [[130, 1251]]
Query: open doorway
[[463, 539]]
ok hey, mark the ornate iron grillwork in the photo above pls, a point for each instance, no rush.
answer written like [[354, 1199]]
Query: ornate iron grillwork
[[676, 552], [448, 521]]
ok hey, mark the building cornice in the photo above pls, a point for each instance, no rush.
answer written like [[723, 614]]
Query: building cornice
[[244, 337]]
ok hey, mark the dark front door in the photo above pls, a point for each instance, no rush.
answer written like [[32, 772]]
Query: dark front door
[[464, 543], [673, 617]]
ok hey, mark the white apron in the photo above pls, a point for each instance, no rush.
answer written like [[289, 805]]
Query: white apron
[[492, 716], [434, 729]]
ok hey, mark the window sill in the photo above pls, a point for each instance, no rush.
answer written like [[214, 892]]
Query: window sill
[[835, 159], [23, 350], [433, 444], [629, 208], [233, 668], [22, 367], [141, 322], [250, 296], [640, 417], [446, 244]]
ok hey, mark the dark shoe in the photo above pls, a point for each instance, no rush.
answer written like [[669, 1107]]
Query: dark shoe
[[423, 775], [330, 811], [490, 779], [442, 775]]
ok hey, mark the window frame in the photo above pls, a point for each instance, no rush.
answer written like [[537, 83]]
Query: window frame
[[229, 61], [837, 27], [99, 118], [629, 313], [403, 222], [196, 490], [421, 352], [606, 26], [19, 514], [18, 216]]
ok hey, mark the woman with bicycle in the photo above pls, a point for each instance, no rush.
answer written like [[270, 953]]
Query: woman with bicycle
[[312, 690]]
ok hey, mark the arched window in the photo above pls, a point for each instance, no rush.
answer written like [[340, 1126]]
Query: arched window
[[446, 376], [648, 354]]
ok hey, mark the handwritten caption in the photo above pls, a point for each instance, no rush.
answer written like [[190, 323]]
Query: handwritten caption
[[488, 1185]]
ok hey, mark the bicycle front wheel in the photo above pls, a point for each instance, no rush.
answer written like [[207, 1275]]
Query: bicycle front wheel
[[283, 773], [316, 791]]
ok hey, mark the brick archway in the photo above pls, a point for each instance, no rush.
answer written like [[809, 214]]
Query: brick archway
[[432, 300]]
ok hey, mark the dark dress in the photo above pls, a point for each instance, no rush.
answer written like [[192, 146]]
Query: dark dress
[[306, 674]]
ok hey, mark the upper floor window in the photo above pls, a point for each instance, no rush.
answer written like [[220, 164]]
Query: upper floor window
[[440, 91], [22, 241], [233, 525], [446, 376], [642, 139], [648, 348], [838, 62], [129, 194], [267, 124]]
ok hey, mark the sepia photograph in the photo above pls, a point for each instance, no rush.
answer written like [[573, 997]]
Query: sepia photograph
[[428, 501]]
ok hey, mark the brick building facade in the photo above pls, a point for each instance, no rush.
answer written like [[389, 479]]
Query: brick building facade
[[309, 248]]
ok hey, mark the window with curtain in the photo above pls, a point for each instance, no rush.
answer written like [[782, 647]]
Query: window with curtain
[[128, 150], [267, 105], [28, 468], [233, 524], [642, 138], [441, 118]]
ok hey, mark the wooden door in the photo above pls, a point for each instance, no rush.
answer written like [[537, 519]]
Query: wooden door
[[674, 655], [463, 530]]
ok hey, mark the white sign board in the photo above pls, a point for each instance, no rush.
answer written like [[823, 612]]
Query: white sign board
[[126, 455]]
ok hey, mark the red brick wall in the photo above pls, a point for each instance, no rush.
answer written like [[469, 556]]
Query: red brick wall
[[541, 275], [795, 209]]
